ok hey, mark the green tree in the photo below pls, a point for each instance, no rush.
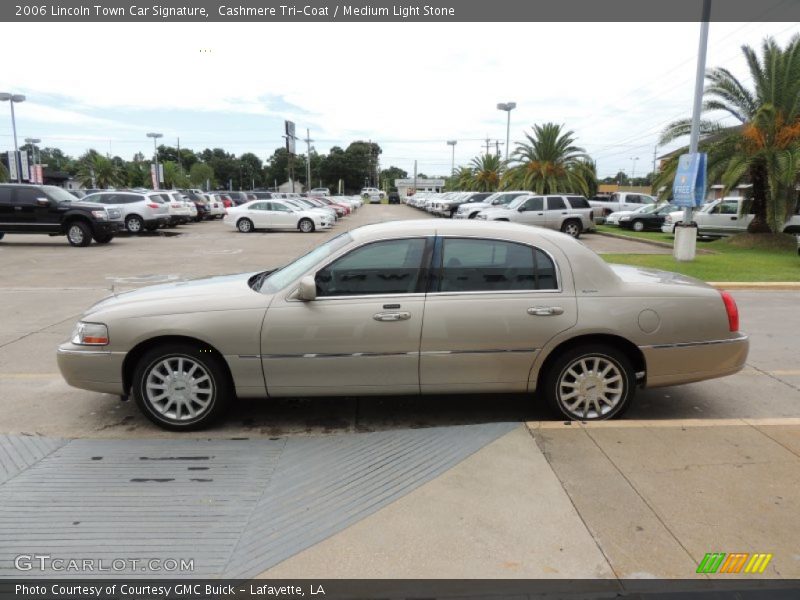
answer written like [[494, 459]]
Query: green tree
[[174, 177], [95, 170], [3, 173], [485, 173], [201, 174], [763, 148], [549, 162], [388, 176]]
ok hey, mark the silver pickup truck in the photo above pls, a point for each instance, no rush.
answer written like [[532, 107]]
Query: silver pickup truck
[[620, 201]]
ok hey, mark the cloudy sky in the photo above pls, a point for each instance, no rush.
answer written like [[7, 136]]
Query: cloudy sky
[[408, 86]]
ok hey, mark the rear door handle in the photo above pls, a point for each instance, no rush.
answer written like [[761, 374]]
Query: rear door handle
[[17, 208], [392, 316], [545, 311]]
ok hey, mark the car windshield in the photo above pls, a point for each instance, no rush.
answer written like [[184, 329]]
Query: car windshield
[[283, 277], [59, 194], [517, 202]]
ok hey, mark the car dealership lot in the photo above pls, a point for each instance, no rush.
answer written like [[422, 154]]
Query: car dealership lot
[[659, 476]]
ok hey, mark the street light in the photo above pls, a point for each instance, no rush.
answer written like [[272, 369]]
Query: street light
[[508, 107], [633, 167], [453, 160], [12, 98], [155, 136], [32, 142]]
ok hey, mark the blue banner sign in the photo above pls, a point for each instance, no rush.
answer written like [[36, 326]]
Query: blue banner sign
[[689, 187]]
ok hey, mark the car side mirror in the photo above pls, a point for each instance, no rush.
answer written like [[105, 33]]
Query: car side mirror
[[43, 201], [307, 290], [521, 209]]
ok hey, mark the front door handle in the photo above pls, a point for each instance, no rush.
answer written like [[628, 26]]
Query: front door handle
[[392, 316], [17, 208], [545, 311]]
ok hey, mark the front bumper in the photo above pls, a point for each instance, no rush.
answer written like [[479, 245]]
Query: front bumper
[[107, 227], [91, 369]]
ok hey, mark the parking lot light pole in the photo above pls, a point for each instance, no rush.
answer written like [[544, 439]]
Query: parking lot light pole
[[12, 98], [453, 158], [155, 136], [508, 107], [633, 167], [32, 142]]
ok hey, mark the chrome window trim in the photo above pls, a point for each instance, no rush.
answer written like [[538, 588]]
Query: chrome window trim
[[741, 338]]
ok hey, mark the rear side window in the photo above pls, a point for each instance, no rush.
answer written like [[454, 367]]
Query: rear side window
[[5, 195], [578, 202], [388, 267], [481, 265], [28, 196], [555, 203]]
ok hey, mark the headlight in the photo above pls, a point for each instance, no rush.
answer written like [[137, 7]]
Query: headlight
[[624, 218], [90, 334], [100, 215]]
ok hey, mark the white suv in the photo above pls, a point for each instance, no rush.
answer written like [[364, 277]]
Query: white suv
[[140, 210], [568, 213], [373, 195]]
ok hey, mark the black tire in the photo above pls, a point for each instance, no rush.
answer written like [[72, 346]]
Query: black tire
[[244, 225], [453, 213], [637, 225], [79, 234], [2, 235], [306, 225], [217, 388], [134, 224], [151, 227], [104, 238], [559, 378], [572, 227], [473, 215]]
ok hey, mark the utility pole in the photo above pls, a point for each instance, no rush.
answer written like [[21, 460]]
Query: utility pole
[[180, 162], [685, 246], [655, 151], [308, 141], [488, 141], [415, 177]]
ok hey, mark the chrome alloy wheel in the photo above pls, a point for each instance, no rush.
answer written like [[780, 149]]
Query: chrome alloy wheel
[[572, 229], [179, 388], [591, 387], [75, 235]]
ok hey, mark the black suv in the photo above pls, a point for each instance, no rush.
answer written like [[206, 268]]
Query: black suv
[[54, 211]]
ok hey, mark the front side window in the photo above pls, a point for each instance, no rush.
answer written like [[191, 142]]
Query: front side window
[[386, 267], [482, 265], [534, 204]]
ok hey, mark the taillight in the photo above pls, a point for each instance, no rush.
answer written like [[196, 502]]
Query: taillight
[[151, 205], [732, 310]]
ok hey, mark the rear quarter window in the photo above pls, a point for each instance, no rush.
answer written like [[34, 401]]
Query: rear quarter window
[[578, 202]]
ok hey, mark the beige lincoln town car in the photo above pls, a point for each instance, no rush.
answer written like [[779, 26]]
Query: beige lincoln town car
[[410, 307]]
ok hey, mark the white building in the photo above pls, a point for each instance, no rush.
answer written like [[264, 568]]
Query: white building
[[406, 187]]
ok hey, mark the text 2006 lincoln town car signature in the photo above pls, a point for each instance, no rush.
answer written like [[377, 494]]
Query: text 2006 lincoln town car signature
[[406, 308]]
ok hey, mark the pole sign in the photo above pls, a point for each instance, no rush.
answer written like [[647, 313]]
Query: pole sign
[[26, 170], [290, 137], [689, 187], [153, 177], [12, 165]]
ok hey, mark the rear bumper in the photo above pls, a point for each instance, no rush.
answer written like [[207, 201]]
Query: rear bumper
[[673, 364]]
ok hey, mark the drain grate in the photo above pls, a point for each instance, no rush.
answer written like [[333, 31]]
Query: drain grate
[[236, 507]]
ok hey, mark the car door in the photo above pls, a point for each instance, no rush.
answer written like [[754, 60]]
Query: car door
[[259, 214], [531, 212], [34, 211], [361, 334], [719, 220], [555, 212], [492, 305], [6, 208], [281, 216]]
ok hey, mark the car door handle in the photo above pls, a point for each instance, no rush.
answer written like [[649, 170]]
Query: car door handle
[[734, 218], [17, 208], [392, 316], [545, 311]]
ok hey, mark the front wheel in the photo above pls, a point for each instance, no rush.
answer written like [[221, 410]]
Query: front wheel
[[244, 225], [572, 228], [637, 226], [590, 383], [79, 234], [306, 225], [181, 387]]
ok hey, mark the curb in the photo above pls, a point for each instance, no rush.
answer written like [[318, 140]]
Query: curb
[[650, 242], [755, 285]]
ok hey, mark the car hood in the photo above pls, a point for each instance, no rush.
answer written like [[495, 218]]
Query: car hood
[[83, 205], [196, 295]]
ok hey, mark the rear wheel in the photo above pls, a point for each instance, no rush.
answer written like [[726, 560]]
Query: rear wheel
[[134, 224], [2, 235], [306, 225], [244, 225], [181, 387], [572, 228], [79, 234], [590, 383], [637, 226]]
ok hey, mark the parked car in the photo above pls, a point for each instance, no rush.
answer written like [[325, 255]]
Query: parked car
[[140, 210], [650, 218], [320, 191], [394, 197], [613, 218], [216, 206], [620, 201], [309, 204], [239, 198], [51, 210], [274, 214], [723, 217], [200, 203], [372, 195], [470, 210], [569, 214], [507, 308], [179, 211]]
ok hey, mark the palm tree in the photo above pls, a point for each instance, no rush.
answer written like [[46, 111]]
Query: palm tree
[[96, 170], [550, 162], [763, 148], [3, 173], [485, 173]]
